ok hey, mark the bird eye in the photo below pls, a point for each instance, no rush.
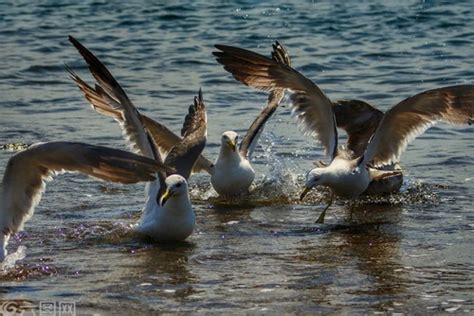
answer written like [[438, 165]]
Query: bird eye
[[178, 185]]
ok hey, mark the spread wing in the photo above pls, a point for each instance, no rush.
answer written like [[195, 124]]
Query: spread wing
[[309, 104], [359, 120], [186, 152], [165, 140], [27, 171], [113, 94], [250, 139], [109, 92], [413, 116], [106, 104]]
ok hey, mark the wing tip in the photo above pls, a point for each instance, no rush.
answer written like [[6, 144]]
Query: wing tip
[[280, 54], [71, 72], [220, 47], [199, 96], [75, 42], [198, 101], [195, 109]]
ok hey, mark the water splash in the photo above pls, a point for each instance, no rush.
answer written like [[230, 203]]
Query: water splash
[[10, 260], [202, 191], [14, 146], [10, 270], [280, 185], [27, 271], [411, 192], [282, 180], [113, 232]]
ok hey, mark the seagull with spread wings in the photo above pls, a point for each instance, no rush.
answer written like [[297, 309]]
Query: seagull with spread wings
[[26, 173], [360, 120], [168, 213], [345, 175], [232, 173]]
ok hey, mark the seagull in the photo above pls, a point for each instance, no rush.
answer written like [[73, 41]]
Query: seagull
[[168, 215], [26, 173], [360, 120], [231, 173], [345, 175]]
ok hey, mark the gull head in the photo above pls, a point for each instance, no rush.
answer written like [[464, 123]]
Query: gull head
[[229, 140], [313, 179], [176, 186]]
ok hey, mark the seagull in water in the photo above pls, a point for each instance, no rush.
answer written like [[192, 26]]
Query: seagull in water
[[26, 173], [345, 175], [168, 214], [232, 173], [360, 120]]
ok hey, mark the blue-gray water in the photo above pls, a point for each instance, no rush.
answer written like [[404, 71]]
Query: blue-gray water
[[411, 253]]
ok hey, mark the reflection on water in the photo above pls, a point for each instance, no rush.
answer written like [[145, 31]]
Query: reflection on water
[[409, 252], [361, 256]]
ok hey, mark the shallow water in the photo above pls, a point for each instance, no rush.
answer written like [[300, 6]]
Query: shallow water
[[411, 252]]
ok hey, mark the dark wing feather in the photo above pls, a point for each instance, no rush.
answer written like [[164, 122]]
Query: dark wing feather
[[105, 103], [250, 139], [184, 154], [196, 116], [113, 94], [280, 54], [360, 120], [99, 100], [413, 116], [165, 140], [26, 172], [309, 104]]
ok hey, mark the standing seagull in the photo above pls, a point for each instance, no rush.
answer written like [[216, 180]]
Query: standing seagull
[[26, 173], [232, 172], [346, 176], [168, 214]]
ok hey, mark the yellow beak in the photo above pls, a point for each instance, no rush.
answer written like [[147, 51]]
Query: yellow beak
[[232, 144], [165, 197], [305, 191]]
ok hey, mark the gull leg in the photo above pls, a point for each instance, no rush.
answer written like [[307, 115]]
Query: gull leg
[[320, 219], [351, 209], [3, 246]]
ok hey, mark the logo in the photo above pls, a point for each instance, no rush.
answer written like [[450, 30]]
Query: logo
[[64, 308], [17, 307], [67, 308], [45, 308]]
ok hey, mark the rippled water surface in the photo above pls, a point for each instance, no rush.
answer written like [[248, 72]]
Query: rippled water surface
[[411, 252]]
